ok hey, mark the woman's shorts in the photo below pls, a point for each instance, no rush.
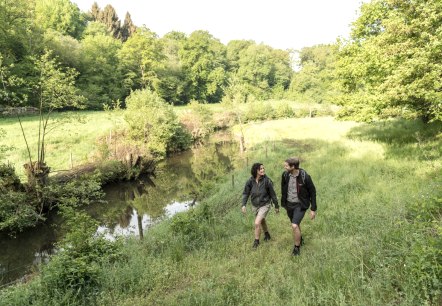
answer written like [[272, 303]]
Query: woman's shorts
[[261, 211], [295, 213]]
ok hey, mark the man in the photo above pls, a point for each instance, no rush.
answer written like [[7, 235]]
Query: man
[[298, 193]]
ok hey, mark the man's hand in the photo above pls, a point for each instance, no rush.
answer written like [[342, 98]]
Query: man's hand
[[277, 210], [312, 214], [243, 209]]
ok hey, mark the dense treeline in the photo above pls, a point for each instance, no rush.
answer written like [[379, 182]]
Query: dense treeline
[[389, 67], [113, 58]]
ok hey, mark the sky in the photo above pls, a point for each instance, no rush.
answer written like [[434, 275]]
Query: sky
[[281, 24]]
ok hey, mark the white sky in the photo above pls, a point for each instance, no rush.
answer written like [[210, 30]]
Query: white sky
[[282, 24]]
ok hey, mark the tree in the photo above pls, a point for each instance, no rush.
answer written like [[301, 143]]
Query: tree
[[60, 15], [64, 47], [100, 79], [315, 81], [55, 89], [14, 23], [392, 64], [109, 17], [95, 12], [141, 57], [173, 83], [204, 61], [262, 69], [234, 49], [128, 28]]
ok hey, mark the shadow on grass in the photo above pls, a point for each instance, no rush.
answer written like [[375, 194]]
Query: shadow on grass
[[403, 138]]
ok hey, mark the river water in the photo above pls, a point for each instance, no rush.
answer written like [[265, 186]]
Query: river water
[[131, 208]]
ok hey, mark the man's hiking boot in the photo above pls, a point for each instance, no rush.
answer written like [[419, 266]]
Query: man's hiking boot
[[255, 244], [267, 236], [296, 251]]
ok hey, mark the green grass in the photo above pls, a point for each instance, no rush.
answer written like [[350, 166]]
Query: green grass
[[375, 241], [77, 136]]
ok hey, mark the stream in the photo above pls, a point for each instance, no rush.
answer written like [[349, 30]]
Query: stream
[[131, 208]]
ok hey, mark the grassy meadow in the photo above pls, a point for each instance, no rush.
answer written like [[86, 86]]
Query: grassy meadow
[[73, 133], [375, 240]]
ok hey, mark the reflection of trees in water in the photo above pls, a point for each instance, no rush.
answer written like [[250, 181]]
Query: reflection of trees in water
[[208, 164], [180, 178], [125, 217]]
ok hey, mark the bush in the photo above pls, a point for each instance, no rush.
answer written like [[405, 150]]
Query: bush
[[73, 273], [258, 110], [152, 122], [8, 179], [17, 212]]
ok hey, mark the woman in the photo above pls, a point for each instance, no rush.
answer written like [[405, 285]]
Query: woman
[[260, 189]]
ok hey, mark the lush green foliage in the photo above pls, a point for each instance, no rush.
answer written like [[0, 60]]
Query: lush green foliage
[[153, 123], [375, 240], [113, 59], [392, 64], [316, 79]]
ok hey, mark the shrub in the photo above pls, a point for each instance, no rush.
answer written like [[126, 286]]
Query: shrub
[[17, 212], [258, 110], [153, 122]]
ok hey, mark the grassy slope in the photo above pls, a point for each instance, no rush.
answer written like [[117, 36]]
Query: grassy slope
[[364, 248], [361, 249]]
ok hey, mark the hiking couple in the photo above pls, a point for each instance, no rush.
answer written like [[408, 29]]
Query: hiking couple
[[298, 194]]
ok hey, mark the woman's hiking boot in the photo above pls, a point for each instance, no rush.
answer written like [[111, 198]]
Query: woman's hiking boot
[[267, 236], [255, 243], [296, 251]]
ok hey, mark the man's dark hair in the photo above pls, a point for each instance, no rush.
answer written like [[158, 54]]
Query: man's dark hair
[[293, 161], [255, 169]]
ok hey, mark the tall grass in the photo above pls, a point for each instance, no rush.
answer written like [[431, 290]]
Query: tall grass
[[375, 240]]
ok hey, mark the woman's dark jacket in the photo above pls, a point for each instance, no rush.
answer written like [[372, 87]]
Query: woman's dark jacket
[[260, 193], [305, 188]]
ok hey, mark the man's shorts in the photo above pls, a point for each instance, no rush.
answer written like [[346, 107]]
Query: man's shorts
[[261, 211], [295, 212]]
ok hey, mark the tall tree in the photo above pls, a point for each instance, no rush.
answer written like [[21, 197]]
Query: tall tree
[[128, 28], [204, 60], [392, 64], [262, 69], [60, 15], [173, 83], [234, 48], [100, 79], [140, 58], [16, 31], [95, 12], [109, 17], [315, 81]]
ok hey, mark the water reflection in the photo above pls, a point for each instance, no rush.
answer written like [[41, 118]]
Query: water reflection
[[132, 207]]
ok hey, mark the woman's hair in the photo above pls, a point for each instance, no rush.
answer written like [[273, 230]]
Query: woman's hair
[[293, 162], [255, 169]]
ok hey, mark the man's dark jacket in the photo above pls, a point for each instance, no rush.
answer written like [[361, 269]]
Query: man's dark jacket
[[260, 193], [305, 188]]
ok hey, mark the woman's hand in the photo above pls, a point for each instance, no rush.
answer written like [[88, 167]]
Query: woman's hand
[[243, 209]]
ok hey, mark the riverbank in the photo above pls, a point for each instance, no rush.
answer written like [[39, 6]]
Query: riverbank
[[375, 241]]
